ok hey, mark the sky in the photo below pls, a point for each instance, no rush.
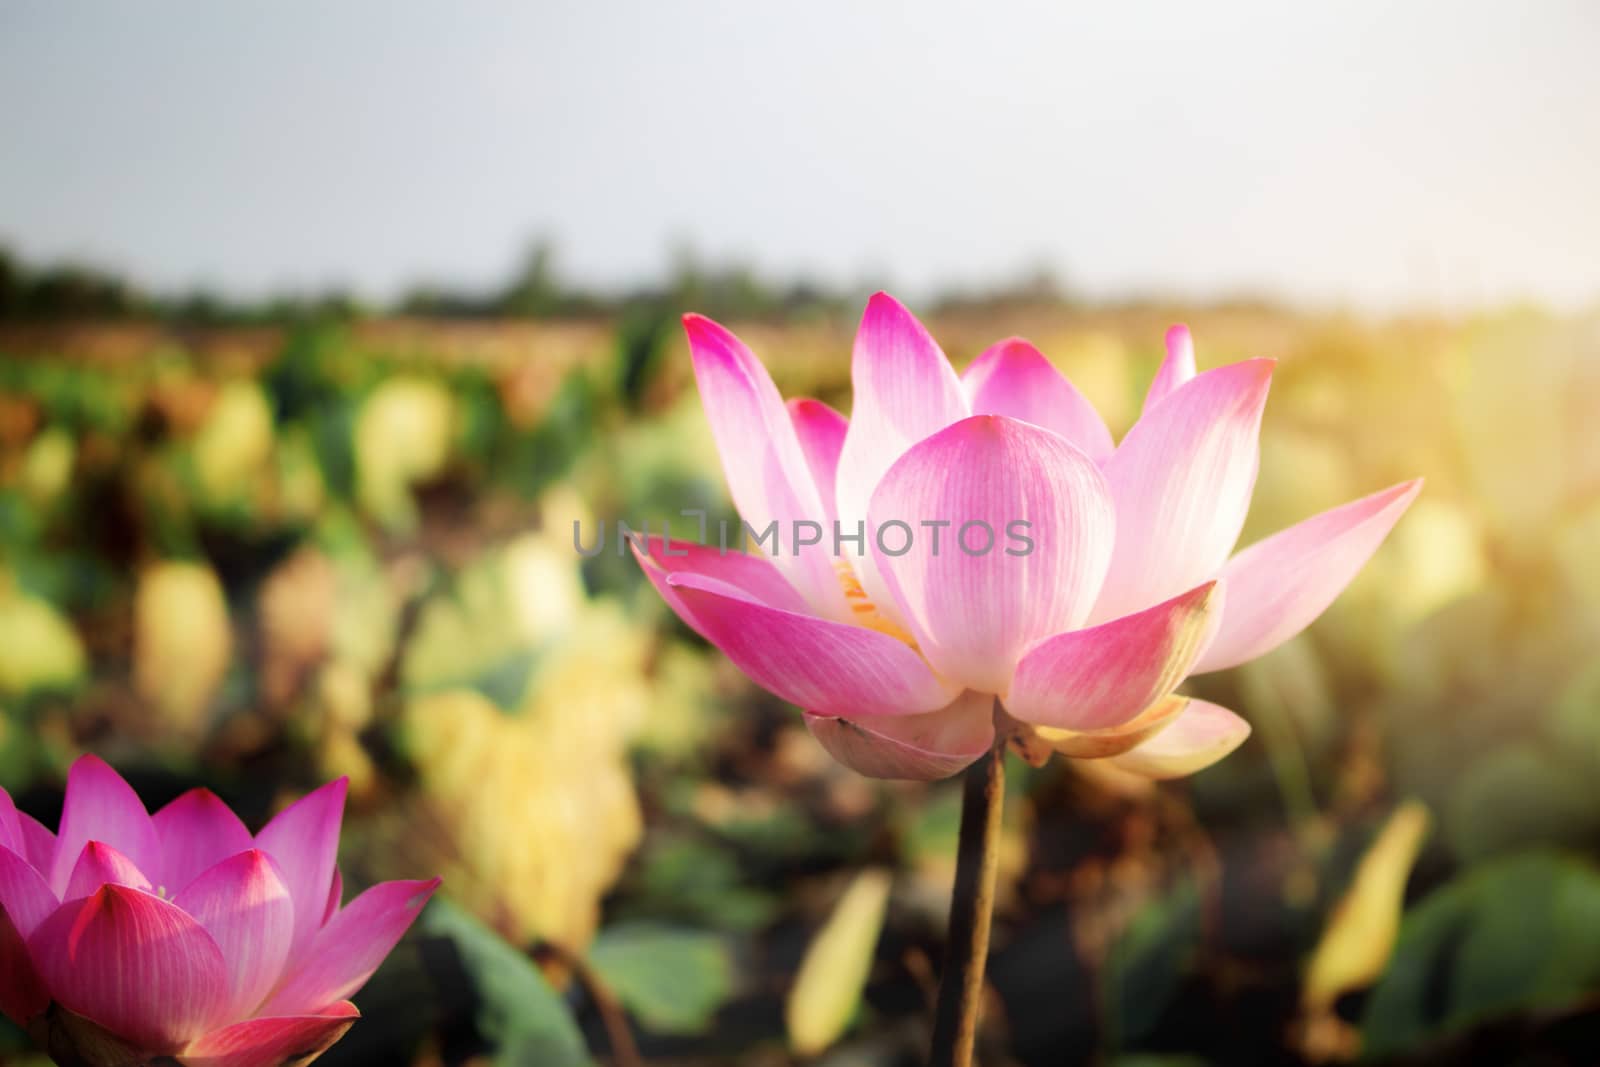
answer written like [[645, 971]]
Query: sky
[[1439, 153]]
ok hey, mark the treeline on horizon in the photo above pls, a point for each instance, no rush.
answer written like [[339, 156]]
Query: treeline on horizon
[[75, 292]]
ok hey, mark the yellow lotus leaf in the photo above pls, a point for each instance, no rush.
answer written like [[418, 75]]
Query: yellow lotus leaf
[[1436, 556], [546, 589], [235, 443], [47, 465], [1356, 944], [530, 823], [182, 641], [39, 649], [297, 603], [827, 989], [402, 436]]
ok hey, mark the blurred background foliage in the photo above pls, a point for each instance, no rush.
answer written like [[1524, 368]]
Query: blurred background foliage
[[258, 547]]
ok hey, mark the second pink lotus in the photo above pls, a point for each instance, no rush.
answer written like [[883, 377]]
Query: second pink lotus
[[127, 938]]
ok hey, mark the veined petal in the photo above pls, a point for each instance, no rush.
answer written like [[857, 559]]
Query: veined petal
[[274, 1041], [22, 992], [1176, 369], [244, 905], [753, 575], [25, 902], [1013, 378], [904, 390], [1104, 676], [24, 894], [1277, 586], [10, 825], [1200, 736], [935, 744], [823, 666], [980, 594], [197, 832], [1182, 480], [1114, 740], [135, 964], [766, 469], [350, 947], [99, 864], [100, 806], [335, 896], [821, 431], [39, 841], [304, 840]]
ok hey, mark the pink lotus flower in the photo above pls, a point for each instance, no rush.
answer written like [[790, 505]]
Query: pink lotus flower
[[130, 937], [897, 646]]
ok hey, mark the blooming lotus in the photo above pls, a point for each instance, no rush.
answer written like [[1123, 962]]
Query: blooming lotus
[[128, 938], [1118, 582]]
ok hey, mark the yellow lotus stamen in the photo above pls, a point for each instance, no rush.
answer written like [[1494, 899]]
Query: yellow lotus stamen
[[862, 609]]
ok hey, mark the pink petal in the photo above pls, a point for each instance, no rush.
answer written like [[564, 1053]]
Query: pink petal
[[99, 864], [197, 832], [10, 826], [924, 747], [1182, 480], [22, 992], [904, 390], [1176, 369], [304, 839], [100, 806], [821, 431], [973, 612], [25, 901], [1013, 378], [823, 666], [349, 949], [1104, 676], [752, 574], [1201, 735], [335, 896], [24, 894], [1115, 740], [272, 1042], [135, 964], [40, 842], [766, 469], [245, 907], [1276, 587]]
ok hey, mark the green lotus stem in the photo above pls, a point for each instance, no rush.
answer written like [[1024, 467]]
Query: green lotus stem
[[955, 1025]]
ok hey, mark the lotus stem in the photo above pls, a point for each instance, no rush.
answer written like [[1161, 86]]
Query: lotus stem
[[624, 1052], [955, 1024]]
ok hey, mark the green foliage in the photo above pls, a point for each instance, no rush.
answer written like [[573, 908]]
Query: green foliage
[[1519, 793], [700, 881], [1516, 934], [672, 978], [518, 1013], [1148, 963]]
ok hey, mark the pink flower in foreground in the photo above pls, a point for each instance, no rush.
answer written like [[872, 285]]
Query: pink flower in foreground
[[130, 937], [1082, 621]]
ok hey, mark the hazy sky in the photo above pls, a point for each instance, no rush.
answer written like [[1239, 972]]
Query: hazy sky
[[1445, 151]]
